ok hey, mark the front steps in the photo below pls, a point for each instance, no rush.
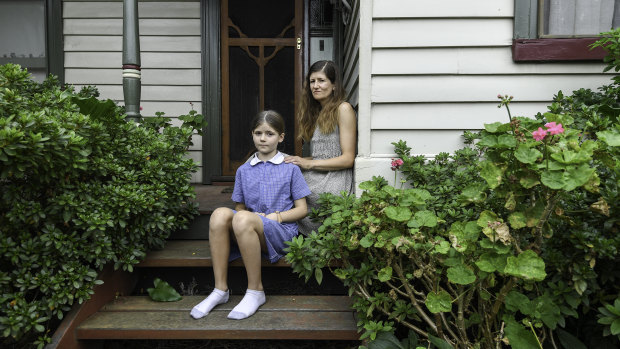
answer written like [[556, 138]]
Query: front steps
[[306, 315], [282, 317]]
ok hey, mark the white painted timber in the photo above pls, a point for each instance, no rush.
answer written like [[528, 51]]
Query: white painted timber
[[109, 9], [171, 109], [442, 8], [442, 32], [149, 60], [467, 60], [447, 116], [113, 26], [154, 93], [365, 78], [97, 43], [421, 141], [478, 88], [149, 76]]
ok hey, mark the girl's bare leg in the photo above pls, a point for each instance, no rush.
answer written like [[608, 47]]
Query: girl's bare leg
[[248, 229], [220, 225]]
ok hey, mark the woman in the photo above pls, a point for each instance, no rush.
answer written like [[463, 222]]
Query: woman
[[328, 122]]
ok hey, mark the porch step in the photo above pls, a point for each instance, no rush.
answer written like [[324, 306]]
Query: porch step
[[191, 253], [282, 317]]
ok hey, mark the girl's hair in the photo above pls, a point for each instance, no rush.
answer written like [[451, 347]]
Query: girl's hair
[[271, 118], [310, 113]]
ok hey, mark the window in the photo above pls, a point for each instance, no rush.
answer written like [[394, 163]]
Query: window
[[31, 36], [562, 30]]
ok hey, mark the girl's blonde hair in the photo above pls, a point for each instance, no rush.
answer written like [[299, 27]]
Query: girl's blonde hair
[[310, 113]]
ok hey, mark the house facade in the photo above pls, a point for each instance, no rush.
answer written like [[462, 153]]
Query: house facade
[[417, 70]]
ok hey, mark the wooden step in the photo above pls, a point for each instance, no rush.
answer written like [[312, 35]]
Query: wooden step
[[191, 253], [282, 317]]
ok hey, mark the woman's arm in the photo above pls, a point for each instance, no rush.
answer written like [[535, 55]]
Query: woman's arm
[[347, 124], [299, 211]]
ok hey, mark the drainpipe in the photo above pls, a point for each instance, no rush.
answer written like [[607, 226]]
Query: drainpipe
[[131, 60]]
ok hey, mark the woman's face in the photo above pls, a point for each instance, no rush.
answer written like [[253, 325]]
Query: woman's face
[[266, 140], [320, 86]]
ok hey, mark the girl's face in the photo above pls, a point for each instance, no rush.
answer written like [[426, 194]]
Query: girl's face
[[266, 140], [320, 86]]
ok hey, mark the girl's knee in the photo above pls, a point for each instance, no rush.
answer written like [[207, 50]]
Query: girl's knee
[[221, 217], [243, 220]]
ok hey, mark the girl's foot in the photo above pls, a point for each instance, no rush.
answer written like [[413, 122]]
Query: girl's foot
[[203, 308], [249, 305]]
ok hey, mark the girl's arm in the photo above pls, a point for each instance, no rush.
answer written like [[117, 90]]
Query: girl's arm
[[299, 211], [347, 124]]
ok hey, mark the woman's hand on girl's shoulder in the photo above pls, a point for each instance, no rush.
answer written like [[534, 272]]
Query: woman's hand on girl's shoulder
[[304, 163]]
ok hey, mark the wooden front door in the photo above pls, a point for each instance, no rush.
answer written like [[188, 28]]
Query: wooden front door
[[261, 60]]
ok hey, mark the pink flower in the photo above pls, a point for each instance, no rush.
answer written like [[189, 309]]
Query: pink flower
[[396, 164], [540, 134], [554, 128]]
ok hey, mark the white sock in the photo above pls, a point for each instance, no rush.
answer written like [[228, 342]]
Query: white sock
[[248, 305], [203, 308]]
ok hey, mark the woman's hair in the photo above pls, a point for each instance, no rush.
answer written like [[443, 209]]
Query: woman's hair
[[271, 118], [310, 113]]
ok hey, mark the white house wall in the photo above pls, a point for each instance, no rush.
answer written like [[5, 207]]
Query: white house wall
[[170, 45], [430, 69]]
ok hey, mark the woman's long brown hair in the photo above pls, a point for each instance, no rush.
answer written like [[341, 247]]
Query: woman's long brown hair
[[310, 113]]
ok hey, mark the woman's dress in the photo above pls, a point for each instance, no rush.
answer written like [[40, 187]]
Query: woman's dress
[[324, 147]]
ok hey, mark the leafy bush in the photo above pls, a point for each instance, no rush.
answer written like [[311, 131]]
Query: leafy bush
[[506, 241], [80, 188]]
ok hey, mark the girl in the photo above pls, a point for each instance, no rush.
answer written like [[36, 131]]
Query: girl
[[328, 122], [270, 196]]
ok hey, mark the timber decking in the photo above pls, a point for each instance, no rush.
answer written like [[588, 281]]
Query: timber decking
[[191, 253], [282, 317]]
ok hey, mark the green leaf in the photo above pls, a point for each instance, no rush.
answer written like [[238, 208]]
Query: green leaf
[[527, 265], [439, 343], [488, 141], [493, 128], [526, 154], [611, 137], [318, 275], [553, 179], [426, 218], [163, 292], [615, 327], [517, 301], [529, 181], [569, 341], [520, 337], [506, 141], [577, 176], [385, 274], [398, 213], [385, 340], [460, 274], [438, 302], [491, 173], [517, 220], [485, 218], [490, 262], [366, 241]]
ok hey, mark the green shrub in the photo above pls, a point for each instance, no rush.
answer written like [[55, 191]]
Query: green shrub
[[80, 188], [512, 240]]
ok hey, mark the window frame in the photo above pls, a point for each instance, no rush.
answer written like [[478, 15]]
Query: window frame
[[527, 46], [54, 55]]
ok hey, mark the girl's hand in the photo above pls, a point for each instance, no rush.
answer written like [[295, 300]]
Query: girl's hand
[[260, 214], [299, 161]]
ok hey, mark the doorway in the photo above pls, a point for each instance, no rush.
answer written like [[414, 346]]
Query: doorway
[[261, 68]]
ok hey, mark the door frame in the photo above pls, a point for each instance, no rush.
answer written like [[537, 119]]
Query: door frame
[[212, 85]]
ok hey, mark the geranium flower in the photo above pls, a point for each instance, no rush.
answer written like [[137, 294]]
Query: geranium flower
[[396, 164], [540, 134], [554, 128]]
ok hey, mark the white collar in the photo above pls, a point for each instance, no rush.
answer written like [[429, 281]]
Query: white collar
[[276, 159]]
